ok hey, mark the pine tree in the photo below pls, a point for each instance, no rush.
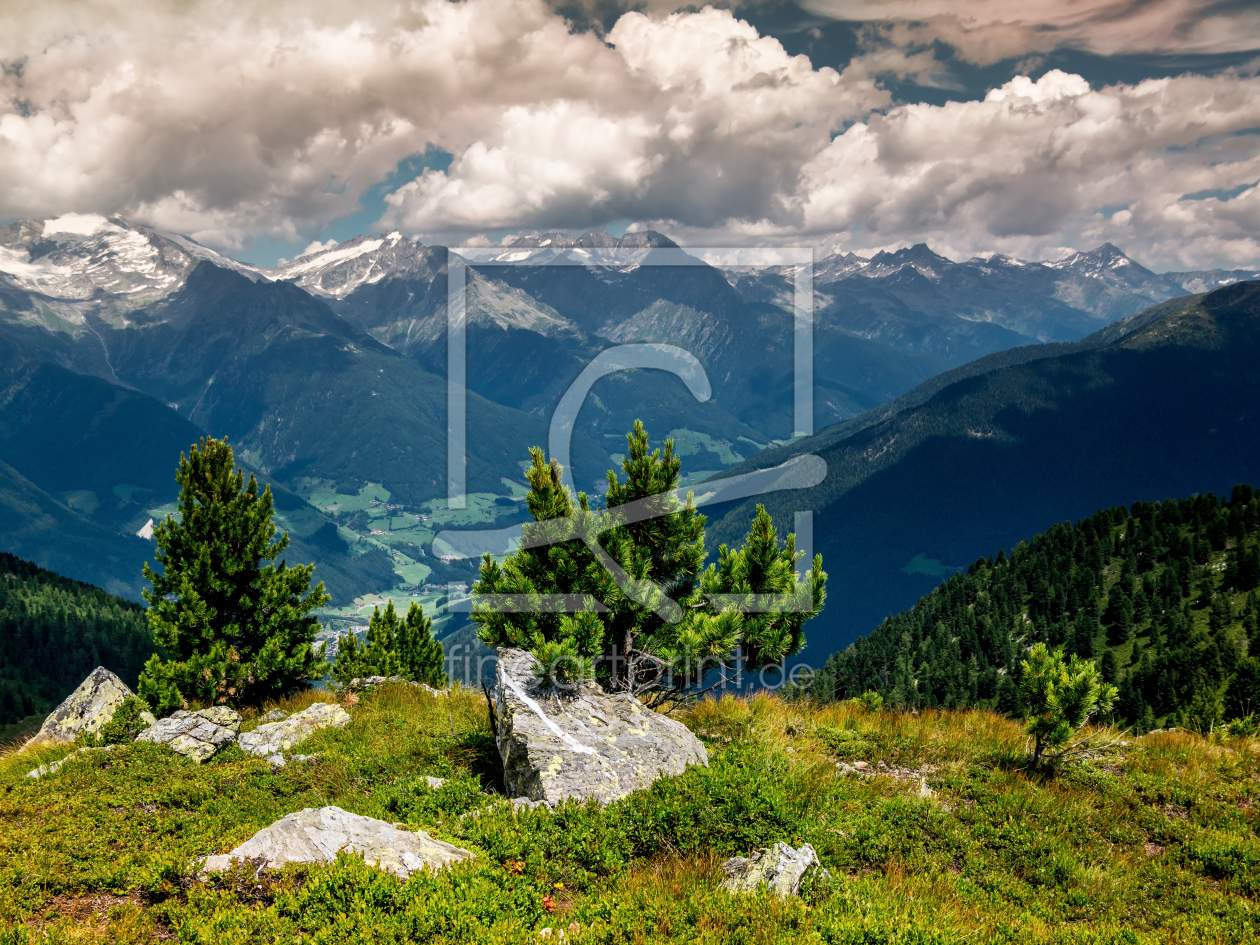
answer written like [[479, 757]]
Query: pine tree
[[421, 658], [1061, 697], [393, 646], [238, 631], [664, 624]]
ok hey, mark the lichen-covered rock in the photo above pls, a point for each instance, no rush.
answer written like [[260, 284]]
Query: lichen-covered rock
[[275, 738], [582, 742], [273, 715], [86, 709], [780, 867], [196, 735], [317, 836]]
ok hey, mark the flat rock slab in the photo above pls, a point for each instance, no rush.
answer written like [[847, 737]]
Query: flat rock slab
[[779, 867], [275, 738], [317, 836], [583, 742], [86, 709], [196, 735]]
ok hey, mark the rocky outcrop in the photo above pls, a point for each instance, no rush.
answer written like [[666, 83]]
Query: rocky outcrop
[[582, 742], [196, 735], [779, 867], [86, 709], [317, 836], [274, 738]]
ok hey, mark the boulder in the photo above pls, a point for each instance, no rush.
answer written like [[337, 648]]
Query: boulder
[[273, 715], [581, 742], [317, 836], [86, 709], [274, 738], [196, 735], [780, 867]]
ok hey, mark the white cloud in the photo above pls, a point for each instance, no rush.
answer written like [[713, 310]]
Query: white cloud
[[710, 121], [237, 118], [1035, 162]]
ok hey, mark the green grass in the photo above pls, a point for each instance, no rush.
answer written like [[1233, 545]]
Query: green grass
[[1154, 841]]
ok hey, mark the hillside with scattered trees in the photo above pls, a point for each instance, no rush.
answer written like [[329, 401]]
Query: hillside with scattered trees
[[1164, 596]]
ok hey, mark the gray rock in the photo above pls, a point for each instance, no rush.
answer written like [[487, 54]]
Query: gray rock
[[274, 715], [317, 836], [433, 782], [54, 766], [276, 738], [582, 742], [196, 735], [780, 867], [86, 709], [366, 681]]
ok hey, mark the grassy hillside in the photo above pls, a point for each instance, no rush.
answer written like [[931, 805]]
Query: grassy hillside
[[54, 631], [1164, 596], [1166, 409], [951, 840]]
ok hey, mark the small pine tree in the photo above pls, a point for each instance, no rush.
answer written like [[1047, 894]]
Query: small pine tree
[[392, 647], [421, 658], [239, 632], [1060, 697]]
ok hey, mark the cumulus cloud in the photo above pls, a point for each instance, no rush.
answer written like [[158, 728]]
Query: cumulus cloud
[[235, 118], [712, 122], [1037, 162]]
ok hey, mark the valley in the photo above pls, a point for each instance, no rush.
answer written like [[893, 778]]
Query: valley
[[123, 345]]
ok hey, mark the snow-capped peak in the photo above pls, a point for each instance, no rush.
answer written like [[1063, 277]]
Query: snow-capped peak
[[80, 256], [334, 270]]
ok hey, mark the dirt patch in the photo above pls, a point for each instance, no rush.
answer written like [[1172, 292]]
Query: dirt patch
[[1175, 810], [1153, 849]]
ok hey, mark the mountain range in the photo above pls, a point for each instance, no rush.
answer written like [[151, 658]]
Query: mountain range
[[123, 344]]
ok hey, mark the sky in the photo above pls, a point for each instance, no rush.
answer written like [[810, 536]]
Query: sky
[[261, 127]]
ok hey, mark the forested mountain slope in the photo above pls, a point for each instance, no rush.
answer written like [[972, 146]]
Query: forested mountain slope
[[1167, 409], [1164, 595], [54, 631]]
